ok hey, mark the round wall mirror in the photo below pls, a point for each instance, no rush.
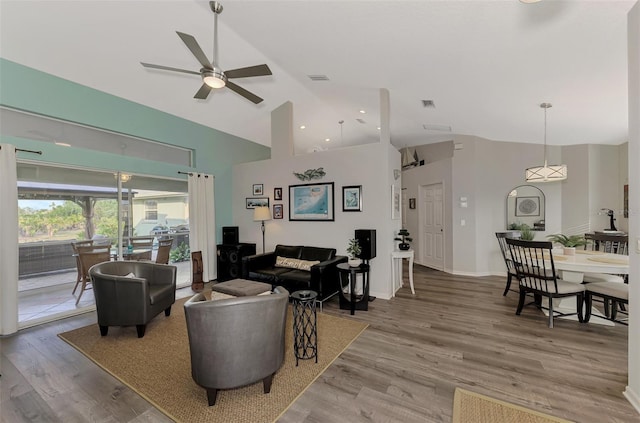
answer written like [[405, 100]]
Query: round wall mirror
[[525, 206]]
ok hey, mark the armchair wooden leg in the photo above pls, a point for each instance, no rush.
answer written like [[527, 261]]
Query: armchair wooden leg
[[588, 302], [167, 311], [550, 312], [523, 294], [104, 330], [141, 329], [266, 383], [607, 309], [614, 310], [211, 396]]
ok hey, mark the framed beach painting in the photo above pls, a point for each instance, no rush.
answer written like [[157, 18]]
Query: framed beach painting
[[352, 198], [253, 202], [313, 202]]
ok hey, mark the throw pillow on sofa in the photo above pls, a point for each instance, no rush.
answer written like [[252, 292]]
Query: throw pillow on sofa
[[292, 263]]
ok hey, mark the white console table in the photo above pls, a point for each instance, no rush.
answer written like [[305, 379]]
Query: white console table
[[396, 267]]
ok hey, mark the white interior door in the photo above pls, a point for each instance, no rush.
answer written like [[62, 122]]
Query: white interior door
[[431, 226]]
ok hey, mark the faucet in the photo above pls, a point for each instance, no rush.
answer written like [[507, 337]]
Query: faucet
[[612, 226]]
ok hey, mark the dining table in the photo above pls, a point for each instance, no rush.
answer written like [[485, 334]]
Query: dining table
[[572, 268]]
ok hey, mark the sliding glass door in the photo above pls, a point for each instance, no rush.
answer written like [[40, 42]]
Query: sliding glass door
[[58, 206]]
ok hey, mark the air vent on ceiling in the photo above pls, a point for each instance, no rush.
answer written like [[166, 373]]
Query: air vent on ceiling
[[428, 103], [361, 120], [441, 128], [318, 77]]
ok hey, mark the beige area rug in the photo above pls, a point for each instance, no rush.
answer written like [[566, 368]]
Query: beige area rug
[[470, 407], [158, 367]]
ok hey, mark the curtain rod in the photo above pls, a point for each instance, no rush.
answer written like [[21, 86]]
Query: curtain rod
[[27, 151], [191, 174]]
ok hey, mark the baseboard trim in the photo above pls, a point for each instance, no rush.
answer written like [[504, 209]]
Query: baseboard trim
[[632, 397], [472, 274]]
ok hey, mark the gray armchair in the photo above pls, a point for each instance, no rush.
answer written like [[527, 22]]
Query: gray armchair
[[237, 341], [123, 300]]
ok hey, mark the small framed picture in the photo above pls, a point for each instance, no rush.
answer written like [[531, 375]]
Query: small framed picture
[[352, 198], [257, 189], [277, 194], [252, 202], [412, 203], [277, 211]]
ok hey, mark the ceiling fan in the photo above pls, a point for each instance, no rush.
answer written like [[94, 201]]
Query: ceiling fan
[[212, 76]]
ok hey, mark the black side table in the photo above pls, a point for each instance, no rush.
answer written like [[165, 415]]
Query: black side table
[[305, 328], [348, 275]]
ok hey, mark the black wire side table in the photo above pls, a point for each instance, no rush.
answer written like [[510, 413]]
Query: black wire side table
[[305, 325]]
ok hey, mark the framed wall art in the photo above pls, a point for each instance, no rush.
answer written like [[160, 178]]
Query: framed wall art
[[313, 202], [352, 198], [412, 203], [395, 203], [258, 189], [277, 193], [527, 206], [253, 202], [278, 211]]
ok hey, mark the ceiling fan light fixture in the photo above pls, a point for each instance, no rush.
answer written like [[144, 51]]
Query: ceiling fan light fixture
[[214, 78]]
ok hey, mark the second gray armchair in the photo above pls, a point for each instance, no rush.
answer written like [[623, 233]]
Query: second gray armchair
[[237, 341]]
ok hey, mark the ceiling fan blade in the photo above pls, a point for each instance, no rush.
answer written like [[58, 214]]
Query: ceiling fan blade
[[152, 66], [246, 94], [203, 92], [193, 45], [258, 70]]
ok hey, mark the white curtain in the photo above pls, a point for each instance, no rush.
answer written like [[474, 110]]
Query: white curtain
[[8, 241], [202, 222]]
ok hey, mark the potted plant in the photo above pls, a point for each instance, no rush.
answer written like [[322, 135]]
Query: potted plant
[[353, 251], [569, 243], [403, 237], [526, 233]]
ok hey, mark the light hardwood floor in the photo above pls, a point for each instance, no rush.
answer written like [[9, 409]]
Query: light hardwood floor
[[455, 332]]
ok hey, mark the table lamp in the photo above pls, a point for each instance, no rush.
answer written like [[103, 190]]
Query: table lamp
[[260, 214]]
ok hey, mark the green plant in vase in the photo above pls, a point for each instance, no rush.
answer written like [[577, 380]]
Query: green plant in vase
[[569, 243], [404, 238], [353, 251], [526, 233]]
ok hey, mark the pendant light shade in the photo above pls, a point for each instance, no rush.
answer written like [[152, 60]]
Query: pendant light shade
[[546, 173]]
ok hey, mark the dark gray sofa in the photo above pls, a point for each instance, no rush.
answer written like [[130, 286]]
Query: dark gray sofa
[[321, 277]]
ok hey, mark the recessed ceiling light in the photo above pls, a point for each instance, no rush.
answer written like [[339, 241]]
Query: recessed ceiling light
[[378, 128], [302, 127], [327, 139], [529, 1], [363, 112], [62, 144]]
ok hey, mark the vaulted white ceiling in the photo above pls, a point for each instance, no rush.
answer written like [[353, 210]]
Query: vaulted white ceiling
[[486, 65]]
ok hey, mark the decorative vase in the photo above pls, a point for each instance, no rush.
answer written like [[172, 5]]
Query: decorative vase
[[569, 251], [354, 262], [404, 246]]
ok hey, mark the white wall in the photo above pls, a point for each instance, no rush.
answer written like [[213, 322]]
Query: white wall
[[368, 165], [485, 171]]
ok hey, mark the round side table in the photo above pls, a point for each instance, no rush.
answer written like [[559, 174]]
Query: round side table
[[305, 325]]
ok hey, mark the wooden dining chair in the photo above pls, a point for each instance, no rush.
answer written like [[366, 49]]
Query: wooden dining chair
[[74, 246], [536, 272], [511, 269], [164, 248], [142, 242], [606, 243], [90, 255]]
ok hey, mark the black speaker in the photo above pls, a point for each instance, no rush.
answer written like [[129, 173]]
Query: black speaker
[[367, 240], [230, 260], [230, 235]]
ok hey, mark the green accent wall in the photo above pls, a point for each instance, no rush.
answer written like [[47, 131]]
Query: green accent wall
[[215, 152]]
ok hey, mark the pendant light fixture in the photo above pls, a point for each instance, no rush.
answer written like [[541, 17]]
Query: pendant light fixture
[[546, 173]]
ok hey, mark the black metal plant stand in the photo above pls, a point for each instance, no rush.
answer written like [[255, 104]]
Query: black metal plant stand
[[305, 328]]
